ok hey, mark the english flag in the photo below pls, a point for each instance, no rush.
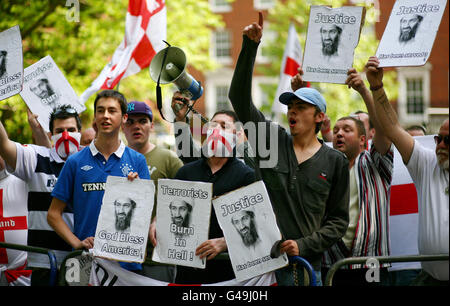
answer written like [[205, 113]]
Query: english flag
[[145, 30], [404, 211], [291, 61]]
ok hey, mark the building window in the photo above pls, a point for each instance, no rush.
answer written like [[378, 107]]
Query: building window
[[414, 96], [263, 4], [222, 45], [220, 6], [222, 101]]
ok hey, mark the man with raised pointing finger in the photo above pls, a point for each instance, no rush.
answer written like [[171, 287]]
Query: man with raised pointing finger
[[308, 187]]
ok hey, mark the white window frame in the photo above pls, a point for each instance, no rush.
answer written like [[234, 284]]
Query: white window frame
[[259, 5], [405, 73], [223, 59], [218, 77], [219, 8]]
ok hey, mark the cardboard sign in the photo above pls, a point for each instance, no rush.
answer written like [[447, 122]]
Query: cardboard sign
[[45, 88], [410, 32], [11, 63], [182, 221], [124, 220], [333, 34], [249, 225]]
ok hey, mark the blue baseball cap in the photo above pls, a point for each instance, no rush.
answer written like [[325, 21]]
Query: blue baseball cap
[[306, 94], [137, 107]]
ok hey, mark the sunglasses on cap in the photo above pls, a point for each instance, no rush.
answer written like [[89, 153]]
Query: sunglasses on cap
[[68, 110], [439, 138]]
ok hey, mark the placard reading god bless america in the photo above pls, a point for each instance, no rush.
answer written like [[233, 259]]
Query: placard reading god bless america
[[124, 220]]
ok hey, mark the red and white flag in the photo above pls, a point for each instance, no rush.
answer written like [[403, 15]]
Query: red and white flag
[[145, 30], [292, 58], [404, 212]]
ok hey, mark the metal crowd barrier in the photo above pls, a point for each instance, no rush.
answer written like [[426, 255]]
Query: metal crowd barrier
[[222, 256], [49, 253], [381, 259], [305, 264]]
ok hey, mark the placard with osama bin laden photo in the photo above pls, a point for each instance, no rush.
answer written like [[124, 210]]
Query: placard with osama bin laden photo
[[11, 62], [124, 220], [183, 211], [333, 34], [410, 32], [250, 229]]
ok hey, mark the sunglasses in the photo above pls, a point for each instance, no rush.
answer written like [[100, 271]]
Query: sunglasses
[[439, 138], [68, 110]]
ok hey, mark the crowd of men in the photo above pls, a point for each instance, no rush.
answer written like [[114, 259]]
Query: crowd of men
[[330, 203]]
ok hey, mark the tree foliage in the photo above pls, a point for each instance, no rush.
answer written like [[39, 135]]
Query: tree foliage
[[82, 48]]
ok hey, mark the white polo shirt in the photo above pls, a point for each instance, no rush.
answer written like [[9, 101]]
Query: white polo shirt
[[431, 183]]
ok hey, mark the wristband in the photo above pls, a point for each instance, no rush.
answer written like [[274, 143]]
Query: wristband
[[376, 87]]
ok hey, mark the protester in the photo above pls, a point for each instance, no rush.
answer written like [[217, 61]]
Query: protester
[[87, 136], [370, 181], [308, 187], [187, 149], [227, 174], [430, 173], [82, 180], [40, 167], [13, 229], [416, 130], [368, 123], [162, 163]]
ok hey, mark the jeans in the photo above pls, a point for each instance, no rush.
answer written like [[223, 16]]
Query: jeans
[[425, 279], [285, 276]]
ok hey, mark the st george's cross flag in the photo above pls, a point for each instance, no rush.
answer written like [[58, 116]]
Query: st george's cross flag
[[145, 30], [292, 58]]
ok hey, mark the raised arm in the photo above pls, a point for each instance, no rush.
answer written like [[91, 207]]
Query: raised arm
[[40, 136], [8, 148], [385, 113], [381, 142]]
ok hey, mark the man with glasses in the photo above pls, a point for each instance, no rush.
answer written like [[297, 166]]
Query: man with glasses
[[40, 167], [430, 173]]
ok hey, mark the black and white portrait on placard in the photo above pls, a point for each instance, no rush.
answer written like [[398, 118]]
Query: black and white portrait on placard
[[250, 229], [183, 212], [410, 33], [11, 62], [124, 219], [333, 34], [3, 54], [124, 208], [45, 88], [409, 25], [330, 35], [180, 212]]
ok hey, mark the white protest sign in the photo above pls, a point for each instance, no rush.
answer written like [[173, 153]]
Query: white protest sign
[[11, 62], [333, 34], [182, 221], [410, 32], [250, 229], [124, 220], [45, 88]]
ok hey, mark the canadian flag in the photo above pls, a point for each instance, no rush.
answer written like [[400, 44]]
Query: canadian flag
[[145, 30], [291, 61]]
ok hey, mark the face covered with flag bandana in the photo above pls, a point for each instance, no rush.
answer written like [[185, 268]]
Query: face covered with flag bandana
[[220, 136], [66, 143]]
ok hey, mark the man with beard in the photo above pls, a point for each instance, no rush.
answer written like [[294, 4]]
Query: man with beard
[[244, 222], [180, 212], [3, 54], [408, 27], [42, 89], [330, 34], [124, 208], [430, 173]]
